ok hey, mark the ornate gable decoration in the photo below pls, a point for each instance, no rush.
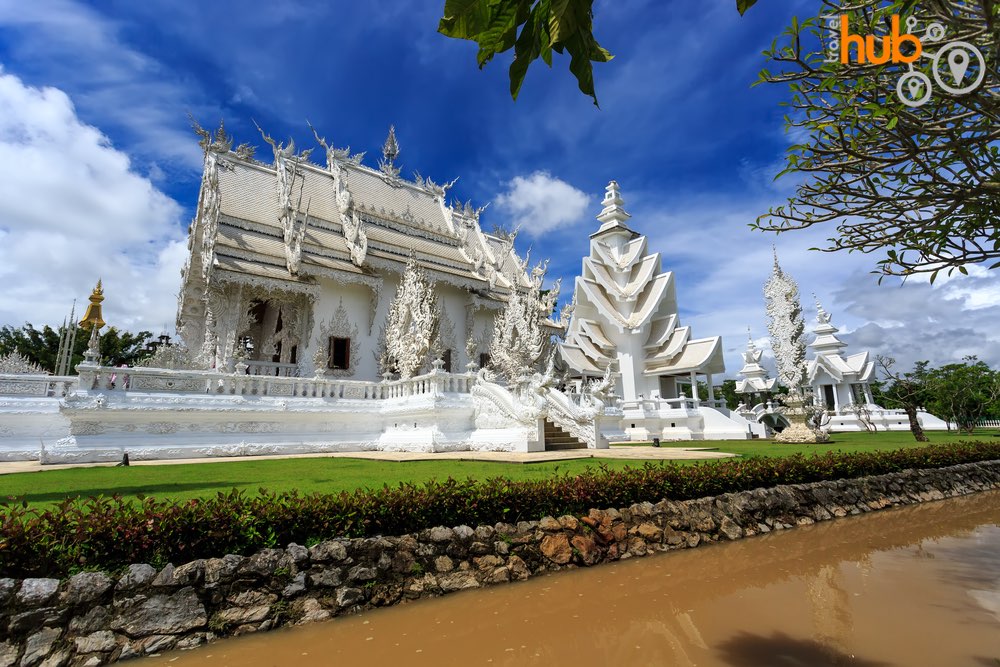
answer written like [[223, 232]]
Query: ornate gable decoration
[[15, 363], [353, 225], [293, 219], [338, 326], [390, 151]]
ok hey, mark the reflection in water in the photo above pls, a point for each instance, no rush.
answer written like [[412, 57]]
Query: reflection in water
[[779, 650], [915, 586]]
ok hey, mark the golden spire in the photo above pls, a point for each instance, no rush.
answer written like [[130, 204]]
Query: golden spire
[[92, 318]]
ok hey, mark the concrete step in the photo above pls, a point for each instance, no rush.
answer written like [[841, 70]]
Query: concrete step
[[556, 439]]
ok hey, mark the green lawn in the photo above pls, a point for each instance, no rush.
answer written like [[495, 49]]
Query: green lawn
[[336, 474]]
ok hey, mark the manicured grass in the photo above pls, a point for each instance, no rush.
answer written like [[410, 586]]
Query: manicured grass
[[843, 442], [307, 475], [330, 475]]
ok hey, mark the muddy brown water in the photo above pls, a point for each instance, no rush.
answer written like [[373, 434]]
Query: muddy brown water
[[918, 586]]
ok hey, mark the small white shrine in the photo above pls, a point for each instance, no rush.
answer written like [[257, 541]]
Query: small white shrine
[[625, 323], [838, 382], [753, 379]]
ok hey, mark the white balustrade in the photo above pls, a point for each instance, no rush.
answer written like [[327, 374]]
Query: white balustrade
[[18, 384], [262, 384]]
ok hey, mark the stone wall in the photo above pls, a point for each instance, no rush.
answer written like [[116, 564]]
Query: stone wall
[[94, 618]]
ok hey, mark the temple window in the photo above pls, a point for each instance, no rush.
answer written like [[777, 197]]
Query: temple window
[[446, 358], [484, 360], [340, 353]]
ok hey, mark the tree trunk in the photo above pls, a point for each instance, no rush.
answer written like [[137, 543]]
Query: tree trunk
[[915, 428]]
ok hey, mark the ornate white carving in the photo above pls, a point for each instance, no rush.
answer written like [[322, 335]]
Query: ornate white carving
[[411, 323], [293, 219], [15, 363], [174, 357], [353, 225], [519, 340], [390, 151], [786, 327], [341, 327]]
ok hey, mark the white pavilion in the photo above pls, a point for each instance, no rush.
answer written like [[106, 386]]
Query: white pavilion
[[625, 318]]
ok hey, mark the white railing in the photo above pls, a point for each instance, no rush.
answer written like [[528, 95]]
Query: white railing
[[271, 368], [17, 384], [241, 384], [988, 423], [683, 403]]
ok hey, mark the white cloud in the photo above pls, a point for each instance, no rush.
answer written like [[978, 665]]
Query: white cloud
[[72, 210], [540, 203], [75, 47]]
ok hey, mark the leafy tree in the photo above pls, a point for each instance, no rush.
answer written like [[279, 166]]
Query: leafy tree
[[42, 345], [964, 393], [545, 26], [534, 29], [909, 392], [919, 183]]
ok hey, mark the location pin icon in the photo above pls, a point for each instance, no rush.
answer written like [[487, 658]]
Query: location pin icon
[[915, 87], [958, 63]]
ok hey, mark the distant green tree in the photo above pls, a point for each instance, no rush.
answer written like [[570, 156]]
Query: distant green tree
[[727, 390], [964, 393], [42, 345]]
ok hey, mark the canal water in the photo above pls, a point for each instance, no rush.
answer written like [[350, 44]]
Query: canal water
[[917, 586]]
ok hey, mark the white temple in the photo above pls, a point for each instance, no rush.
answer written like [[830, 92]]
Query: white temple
[[838, 384], [837, 381], [625, 319], [753, 377], [293, 265]]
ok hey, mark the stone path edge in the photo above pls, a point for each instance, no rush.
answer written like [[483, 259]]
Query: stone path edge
[[93, 618]]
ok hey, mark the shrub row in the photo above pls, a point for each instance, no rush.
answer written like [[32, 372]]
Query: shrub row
[[111, 532]]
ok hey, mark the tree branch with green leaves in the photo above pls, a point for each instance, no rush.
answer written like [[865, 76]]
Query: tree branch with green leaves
[[919, 183]]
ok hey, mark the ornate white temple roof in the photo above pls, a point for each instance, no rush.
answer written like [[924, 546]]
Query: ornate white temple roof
[[829, 354], [622, 293], [344, 212]]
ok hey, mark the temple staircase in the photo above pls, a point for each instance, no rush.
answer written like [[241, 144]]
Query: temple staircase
[[557, 439]]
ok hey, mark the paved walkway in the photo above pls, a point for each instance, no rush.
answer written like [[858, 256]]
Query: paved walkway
[[617, 452]]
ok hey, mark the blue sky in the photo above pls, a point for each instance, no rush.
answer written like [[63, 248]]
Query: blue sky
[[100, 171]]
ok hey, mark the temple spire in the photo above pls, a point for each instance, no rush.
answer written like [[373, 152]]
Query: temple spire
[[826, 342], [613, 214], [390, 151]]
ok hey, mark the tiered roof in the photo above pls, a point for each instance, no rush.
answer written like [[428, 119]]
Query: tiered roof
[[754, 378], [622, 288], [399, 217], [830, 357]]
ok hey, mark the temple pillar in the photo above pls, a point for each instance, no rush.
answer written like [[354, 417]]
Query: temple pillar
[[694, 389], [711, 389]]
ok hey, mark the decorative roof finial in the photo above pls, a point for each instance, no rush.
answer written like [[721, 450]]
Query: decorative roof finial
[[93, 318], [750, 345], [613, 212], [390, 151], [822, 316]]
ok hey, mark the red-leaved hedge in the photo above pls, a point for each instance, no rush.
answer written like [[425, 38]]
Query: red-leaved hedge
[[109, 532]]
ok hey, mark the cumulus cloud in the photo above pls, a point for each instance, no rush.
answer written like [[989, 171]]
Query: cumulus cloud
[[72, 210], [541, 202]]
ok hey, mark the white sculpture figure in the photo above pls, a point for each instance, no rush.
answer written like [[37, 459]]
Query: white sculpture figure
[[624, 312], [520, 339], [781, 294], [411, 324]]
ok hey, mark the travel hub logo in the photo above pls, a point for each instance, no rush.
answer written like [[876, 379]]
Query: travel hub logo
[[958, 67]]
